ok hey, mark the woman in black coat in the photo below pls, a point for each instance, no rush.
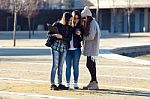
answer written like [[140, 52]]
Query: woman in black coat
[[74, 51]]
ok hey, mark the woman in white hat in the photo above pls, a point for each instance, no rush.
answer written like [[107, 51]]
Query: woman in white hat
[[91, 39]]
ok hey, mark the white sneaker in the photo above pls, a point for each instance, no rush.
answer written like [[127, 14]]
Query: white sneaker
[[68, 85], [76, 86]]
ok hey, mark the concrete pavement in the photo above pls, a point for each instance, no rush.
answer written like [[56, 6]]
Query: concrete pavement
[[24, 70]]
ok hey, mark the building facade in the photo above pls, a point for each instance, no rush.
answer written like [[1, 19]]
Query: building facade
[[113, 14], [117, 22]]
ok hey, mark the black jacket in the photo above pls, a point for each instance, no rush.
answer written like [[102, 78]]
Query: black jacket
[[66, 32], [77, 38]]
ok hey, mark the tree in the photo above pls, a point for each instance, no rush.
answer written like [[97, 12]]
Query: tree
[[25, 7], [30, 10], [129, 10], [12, 6], [114, 13]]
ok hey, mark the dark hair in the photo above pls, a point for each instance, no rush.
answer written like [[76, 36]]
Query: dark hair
[[76, 12]]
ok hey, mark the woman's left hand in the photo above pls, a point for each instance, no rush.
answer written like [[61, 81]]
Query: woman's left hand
[[78, 32]]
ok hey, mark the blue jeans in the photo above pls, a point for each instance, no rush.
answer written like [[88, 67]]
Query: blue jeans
[[58, 61], [72, 58]]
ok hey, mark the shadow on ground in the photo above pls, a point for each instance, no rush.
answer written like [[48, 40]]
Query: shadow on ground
[[118, 92], [125, 92]]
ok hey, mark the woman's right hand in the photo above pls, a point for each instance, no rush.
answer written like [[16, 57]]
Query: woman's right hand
[[58, 36]]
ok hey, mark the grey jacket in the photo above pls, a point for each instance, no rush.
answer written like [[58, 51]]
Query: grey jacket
[[91, 41]]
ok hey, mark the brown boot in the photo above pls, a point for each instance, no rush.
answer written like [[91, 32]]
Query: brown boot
[[86, 87], [91, 86]]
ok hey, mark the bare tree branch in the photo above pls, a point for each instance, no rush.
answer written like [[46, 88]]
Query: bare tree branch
[[29, 9]]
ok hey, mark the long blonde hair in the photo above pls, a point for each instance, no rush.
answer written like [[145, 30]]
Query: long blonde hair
[[65, 18]]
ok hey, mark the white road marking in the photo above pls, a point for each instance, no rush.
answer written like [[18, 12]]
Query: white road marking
[[26, 80], [114, 67], [33, 95], [125, 77], [105, 86], [98, 66], [124, 67], [110, 55], [110, 76], [14, 70]]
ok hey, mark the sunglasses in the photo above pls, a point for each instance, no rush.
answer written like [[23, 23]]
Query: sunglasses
[[76, 18], [83, 17]]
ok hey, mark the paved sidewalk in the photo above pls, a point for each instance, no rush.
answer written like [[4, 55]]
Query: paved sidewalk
[[24, 70]]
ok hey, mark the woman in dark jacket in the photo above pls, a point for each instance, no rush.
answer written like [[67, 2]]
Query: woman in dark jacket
[[74, 51], [59, 49]]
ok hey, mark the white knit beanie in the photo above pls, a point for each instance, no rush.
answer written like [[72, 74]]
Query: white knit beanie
[[86, 12]]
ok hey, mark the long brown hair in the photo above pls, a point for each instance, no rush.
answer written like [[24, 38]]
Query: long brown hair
[[87, 25], [76, 12]]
